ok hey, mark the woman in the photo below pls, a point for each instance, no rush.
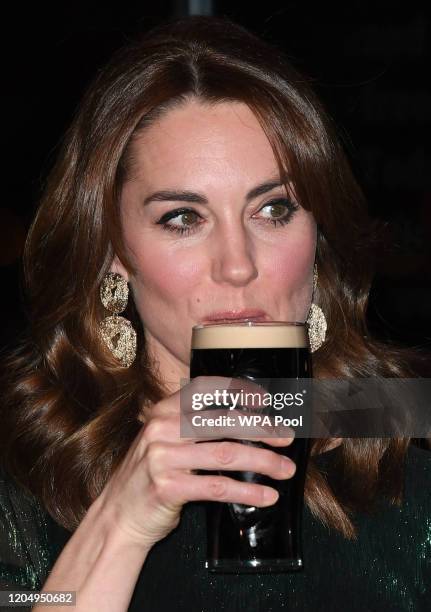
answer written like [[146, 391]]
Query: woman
[[201, 171]]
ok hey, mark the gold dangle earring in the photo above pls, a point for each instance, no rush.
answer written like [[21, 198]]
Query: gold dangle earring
[[316, 320], [117, 332]]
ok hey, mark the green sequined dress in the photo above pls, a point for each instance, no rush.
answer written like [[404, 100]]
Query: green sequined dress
[[388, 569]]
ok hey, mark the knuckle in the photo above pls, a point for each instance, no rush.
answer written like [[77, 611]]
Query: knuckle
[[155, 454], [162, 486], [224, 452], [153, 430], [217, 488], [199, 383]]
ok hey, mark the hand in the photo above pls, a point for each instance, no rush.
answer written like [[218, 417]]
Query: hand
[[144, 496]]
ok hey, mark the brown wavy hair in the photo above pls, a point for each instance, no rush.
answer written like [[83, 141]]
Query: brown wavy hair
[[70, 411]]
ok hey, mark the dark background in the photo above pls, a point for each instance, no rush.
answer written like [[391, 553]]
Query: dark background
[[370, 64]]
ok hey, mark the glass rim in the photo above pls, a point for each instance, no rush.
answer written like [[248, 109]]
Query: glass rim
[[246, 323]]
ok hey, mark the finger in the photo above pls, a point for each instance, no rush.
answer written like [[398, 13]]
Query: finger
[[226, 455], [191, 487]]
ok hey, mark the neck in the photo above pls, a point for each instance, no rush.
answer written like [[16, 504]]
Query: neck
[[168, 368]]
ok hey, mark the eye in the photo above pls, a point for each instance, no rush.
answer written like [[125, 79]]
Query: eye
[[185, 220], [281, 211]]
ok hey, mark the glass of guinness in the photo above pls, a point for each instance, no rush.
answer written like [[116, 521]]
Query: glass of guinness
[[241, 538]]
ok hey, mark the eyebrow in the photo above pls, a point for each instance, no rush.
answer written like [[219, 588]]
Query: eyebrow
[[197, 198]]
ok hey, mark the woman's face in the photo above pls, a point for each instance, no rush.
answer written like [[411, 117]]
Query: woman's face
[[216, 246]]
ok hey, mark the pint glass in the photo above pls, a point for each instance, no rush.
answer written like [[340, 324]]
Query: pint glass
[[241, 538]]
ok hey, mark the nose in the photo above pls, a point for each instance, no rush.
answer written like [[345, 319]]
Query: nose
[[234, 257]]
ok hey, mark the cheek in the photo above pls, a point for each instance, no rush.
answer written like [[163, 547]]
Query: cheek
[[291, 272], [290, 265], [166, 275]]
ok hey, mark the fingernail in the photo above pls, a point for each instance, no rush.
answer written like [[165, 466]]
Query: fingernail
[[286, 439], [270, 496], [288, 463]]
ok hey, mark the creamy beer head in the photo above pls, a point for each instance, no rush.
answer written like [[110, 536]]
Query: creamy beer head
[[249, 334]]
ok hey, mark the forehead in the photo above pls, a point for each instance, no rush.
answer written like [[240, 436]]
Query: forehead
[[198, 140]]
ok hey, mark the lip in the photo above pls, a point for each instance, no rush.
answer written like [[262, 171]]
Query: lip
[[237, 315]]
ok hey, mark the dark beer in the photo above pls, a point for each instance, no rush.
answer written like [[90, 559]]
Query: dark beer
[[242, 538]]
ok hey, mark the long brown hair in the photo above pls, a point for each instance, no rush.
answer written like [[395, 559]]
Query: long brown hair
[[71, 411]]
